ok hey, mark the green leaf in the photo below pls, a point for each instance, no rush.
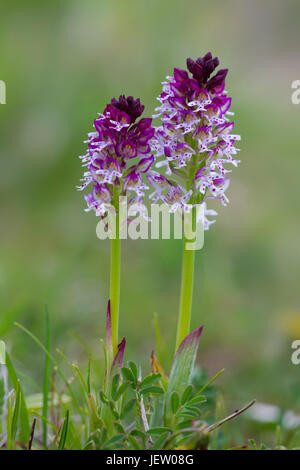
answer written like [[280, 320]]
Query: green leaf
[[127, 407], [9, 414], [158, 430], [182, 369], [174, 402], [113, 441], [114, 386], [15, 418], [103, 397], [24, 420], [197, 400], [191, 408], [88, 380], [122, 389], [183, 424], [188, 414], [157, 410], [159, 443], [104, 434], [138, 433], [152, 390], [127, 374], [187, 394], [119, 428], [117, 364], [149, 380], [2, 395], [113, 410], [134, 370], [64, 432], [134, 442]]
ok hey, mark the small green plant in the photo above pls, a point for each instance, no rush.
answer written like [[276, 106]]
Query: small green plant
[[129, 410]]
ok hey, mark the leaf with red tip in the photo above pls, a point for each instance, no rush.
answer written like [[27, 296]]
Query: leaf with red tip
[[182, 369], [118, 359]]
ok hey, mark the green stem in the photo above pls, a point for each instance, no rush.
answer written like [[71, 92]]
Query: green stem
[[115, 268], [186, 294]]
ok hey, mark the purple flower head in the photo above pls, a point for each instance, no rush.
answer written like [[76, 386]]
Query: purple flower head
[[118, 154], [194, 141]]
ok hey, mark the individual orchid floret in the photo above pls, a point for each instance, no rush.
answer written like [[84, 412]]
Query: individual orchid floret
[[118, 154], [194, 143]]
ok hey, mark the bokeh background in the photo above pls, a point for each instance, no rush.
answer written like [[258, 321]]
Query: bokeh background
[[62, 61]]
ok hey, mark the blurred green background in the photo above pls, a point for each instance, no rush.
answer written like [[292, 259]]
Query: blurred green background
[[62, 61]]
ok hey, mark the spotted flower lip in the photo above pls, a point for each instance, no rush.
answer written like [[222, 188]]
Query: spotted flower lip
[[195, 142], [117, 141]]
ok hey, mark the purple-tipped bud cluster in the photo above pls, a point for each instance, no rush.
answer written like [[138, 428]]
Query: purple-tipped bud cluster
[[118, 154], [195, 139]]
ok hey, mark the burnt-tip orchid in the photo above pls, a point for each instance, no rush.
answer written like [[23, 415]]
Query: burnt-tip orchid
[[195, 146], [118, 155]]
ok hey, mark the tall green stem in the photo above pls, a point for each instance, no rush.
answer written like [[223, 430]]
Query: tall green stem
[[186, 294], [115, 271]]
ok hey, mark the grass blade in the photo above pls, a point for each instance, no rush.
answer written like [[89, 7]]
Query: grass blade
[[64, 432], [53, 360], [15, 418], [47, 373], [24, 420]]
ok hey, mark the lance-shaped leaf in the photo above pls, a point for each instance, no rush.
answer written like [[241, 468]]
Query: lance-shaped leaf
[[182, 369], [118, 359], [105, 414]]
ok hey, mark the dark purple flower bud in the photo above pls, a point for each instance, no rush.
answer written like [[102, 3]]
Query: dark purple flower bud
[[195, 68], [217, 83], [129, 105], [208, 68], [180, 75], [203, 67], [207, 57]]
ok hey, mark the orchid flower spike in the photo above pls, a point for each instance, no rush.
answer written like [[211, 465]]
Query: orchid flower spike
[[195, 141], [118, 155]]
